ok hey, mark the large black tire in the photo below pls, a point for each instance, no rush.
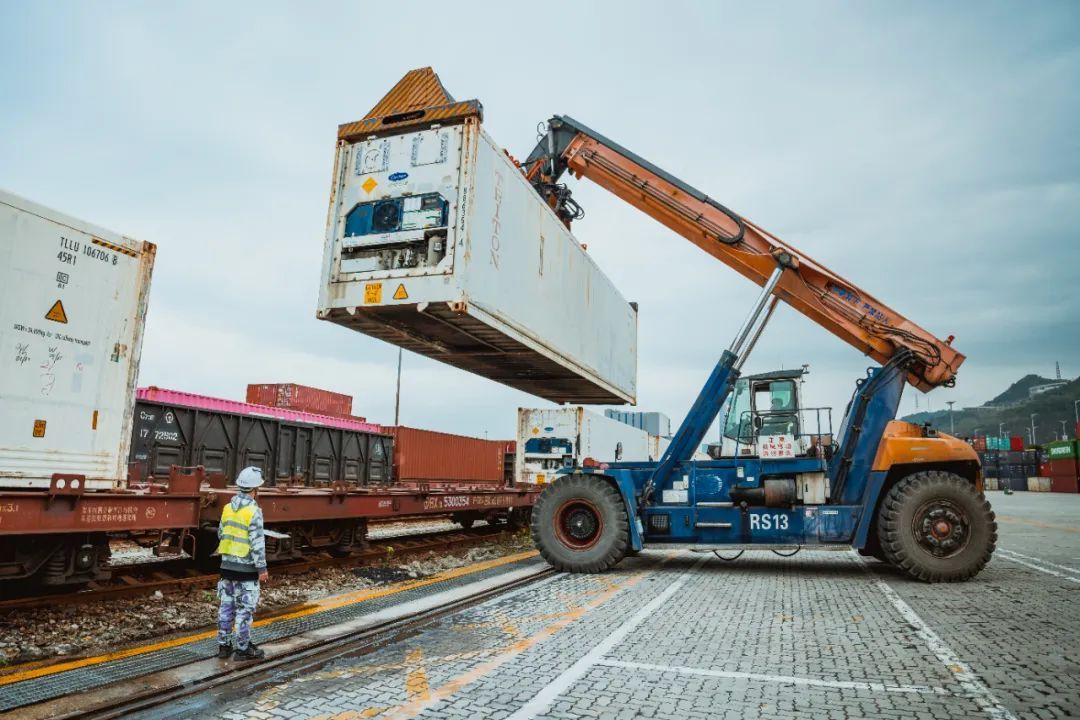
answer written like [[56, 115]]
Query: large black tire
[[936, 527], [579, 524]]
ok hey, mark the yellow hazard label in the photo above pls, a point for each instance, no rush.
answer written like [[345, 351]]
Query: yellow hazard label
[[93, 421], [369, 185], [373, 293], [56, 313], [541, 478], [401, 293], [39, 428]]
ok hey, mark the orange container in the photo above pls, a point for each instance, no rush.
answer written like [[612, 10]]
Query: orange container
[[437, 458], [300, 397]]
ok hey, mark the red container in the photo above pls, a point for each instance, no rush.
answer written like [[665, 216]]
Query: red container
[[1016, 443], [979, 443], [436, 458], [1066, 467], [1064, 484], [300, 397]]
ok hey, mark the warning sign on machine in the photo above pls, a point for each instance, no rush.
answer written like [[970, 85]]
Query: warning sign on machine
[[401, 293]]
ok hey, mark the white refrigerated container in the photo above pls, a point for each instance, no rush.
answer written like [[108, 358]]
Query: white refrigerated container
[[72, 307], [551, 438], [437, 243]]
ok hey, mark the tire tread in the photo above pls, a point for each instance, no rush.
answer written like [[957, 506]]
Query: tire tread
[[891, 533]]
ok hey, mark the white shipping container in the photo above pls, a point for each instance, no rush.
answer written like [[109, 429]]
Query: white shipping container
[[437, 243], [72, 307], [654, 423], [551, 438]]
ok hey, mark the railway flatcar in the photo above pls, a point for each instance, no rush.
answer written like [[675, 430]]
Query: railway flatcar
[[328, 478]]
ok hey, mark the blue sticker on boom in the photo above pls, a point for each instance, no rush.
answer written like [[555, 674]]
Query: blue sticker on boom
[[398, 176]]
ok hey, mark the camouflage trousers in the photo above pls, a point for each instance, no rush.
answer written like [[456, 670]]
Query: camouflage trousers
[[238, 599]]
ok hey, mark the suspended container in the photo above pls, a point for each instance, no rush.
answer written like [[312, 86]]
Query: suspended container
[[437, 243]]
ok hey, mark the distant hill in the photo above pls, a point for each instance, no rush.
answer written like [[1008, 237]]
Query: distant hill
[[1018, 391], [1050, 409]]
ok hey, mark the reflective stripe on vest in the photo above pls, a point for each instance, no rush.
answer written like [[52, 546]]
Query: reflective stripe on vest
[[234, 530]]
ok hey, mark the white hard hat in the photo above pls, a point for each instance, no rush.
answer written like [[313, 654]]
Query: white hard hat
[[249, 478]]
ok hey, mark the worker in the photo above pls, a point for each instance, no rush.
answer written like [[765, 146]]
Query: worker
[[242, 548]]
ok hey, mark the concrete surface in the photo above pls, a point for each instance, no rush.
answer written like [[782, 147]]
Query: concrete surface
[[679, 636]]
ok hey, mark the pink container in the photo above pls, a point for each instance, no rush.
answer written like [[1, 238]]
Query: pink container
[[176, 397]]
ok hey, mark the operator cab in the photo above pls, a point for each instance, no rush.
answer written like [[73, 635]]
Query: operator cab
[[764, 415]]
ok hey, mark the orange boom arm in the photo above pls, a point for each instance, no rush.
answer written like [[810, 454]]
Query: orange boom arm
[[845, 310]]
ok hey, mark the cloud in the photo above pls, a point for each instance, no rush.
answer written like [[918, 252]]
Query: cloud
[[925, 153]]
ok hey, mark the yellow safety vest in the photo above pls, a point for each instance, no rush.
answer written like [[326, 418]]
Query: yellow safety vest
[[234, 530]]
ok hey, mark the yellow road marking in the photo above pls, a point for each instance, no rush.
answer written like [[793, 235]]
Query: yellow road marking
[[416, 682], [323, 605], [415, 707], [1038, 524]]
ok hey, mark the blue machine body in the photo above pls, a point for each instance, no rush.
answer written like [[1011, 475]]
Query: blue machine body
[[680, 500]]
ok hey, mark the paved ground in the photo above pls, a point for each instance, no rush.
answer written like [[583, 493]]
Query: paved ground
[[673, 635]]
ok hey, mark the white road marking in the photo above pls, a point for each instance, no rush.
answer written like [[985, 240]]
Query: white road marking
[[781, 679], [550, 692], [1015, 557], [973, 687]]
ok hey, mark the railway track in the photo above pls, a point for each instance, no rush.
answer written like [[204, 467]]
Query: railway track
[[189, 688], [145, 578]]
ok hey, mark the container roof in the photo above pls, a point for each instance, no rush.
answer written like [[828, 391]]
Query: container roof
[[418, 99]]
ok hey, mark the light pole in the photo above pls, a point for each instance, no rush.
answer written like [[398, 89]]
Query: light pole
[[1063, 435], [952, 425], [1076, 409], [397, 395], [1033, 416]]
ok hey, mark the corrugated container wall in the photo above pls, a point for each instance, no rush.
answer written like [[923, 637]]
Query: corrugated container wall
[[437, 243], [428, 456], [1016, 443], [300, 397], [73, 300]]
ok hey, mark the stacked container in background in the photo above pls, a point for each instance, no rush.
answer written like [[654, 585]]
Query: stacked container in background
[[1063, 465], [993, 442], [1010, 469]]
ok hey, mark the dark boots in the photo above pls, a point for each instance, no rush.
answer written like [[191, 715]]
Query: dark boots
[[251, 652]]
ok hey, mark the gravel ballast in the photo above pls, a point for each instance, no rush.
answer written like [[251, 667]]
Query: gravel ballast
[[97, 627]]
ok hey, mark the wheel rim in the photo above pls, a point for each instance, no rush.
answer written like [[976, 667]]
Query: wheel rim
[[941, 528], [578, 524]]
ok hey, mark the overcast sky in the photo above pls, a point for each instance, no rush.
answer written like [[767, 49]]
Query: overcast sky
[[928, 152]]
